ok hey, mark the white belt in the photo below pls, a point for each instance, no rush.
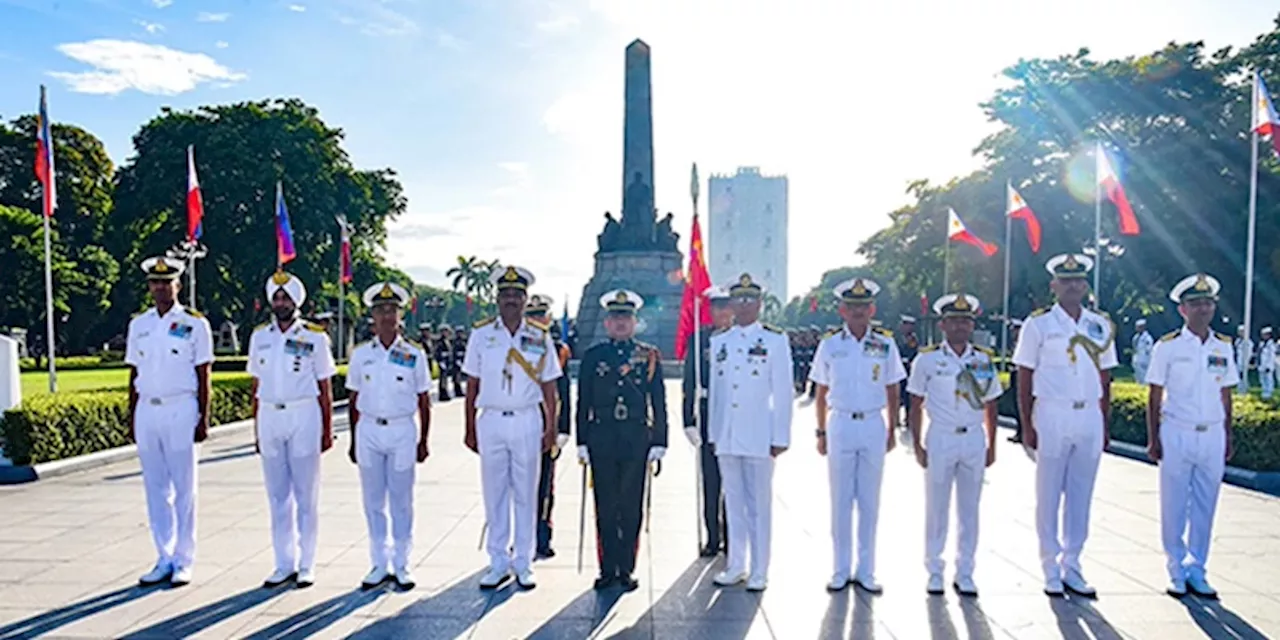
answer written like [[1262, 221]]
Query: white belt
[[158, 401], [962, 430], [1184, 425], [857, 415], [282, 406], [382, 422], [1076, 405], [507, 413]]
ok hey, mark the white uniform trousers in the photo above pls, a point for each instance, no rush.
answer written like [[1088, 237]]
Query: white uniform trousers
[[1191, 472], [386, 452], [1268, 379], [164, 429], [510, 444], [289, 440], [1068, 451], [855, 469], [957, 457], [748, 508], [1140, 366]]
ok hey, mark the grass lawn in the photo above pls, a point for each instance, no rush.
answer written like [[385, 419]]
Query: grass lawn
[[37, 382]]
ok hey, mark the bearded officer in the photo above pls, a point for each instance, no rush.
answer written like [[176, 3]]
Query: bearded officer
[[750, 424], [1189, 431], [536, 311], [291, 363], [857, 370], [390, 411], [1065, 354], [1143, 343], [956, 384], [511, 369], [1267, 364], [622, 426], [695, 427], [169, 349]]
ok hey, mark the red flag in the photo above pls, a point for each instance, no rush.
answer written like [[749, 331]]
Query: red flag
[[813, 304], [468, 305], [924, 305], [1020, 210], [958, 232], [45, 172], [695, 287], [1265, 121], [195, 203], [345, 250], [1110, 185]]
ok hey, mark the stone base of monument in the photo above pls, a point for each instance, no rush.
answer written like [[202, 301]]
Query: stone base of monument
[[655, 275]]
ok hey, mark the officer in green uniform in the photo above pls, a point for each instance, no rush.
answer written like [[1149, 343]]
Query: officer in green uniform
[[622, 428]]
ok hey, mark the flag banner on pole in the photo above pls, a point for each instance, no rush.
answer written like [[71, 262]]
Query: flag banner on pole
[[924, 305], [564, 324], [345, 250], [1265, 121], [1110, 185], [695, 288], [1018, 209], [958, 232], [45, 172], [284, 233], [813, 304], [195, 202]]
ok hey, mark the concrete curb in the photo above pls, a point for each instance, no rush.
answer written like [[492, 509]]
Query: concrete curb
[[1265, 481], [22, 474]]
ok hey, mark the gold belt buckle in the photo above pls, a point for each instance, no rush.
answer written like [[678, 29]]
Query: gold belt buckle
[[1077, 405], [620, 411]]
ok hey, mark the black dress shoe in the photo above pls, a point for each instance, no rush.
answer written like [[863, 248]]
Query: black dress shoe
[[1015, 439], [603, 582], [709, 551], [628, 584], [547, 552]]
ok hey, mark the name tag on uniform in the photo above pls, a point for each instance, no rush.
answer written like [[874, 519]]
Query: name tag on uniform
[[298, 347], [532, 345], [1217, 364], [403, 358], [180, 330]]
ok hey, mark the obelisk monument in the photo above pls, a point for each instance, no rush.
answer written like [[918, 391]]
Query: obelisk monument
[[636, 252]]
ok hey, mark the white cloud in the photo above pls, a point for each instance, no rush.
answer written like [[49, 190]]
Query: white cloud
[[151, 27], [205, 16], [559, 24], [518, 175], [119, 65], [378, 18], [221, 44], [297, 7], [160, 4]]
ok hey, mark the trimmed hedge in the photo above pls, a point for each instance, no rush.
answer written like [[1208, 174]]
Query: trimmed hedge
[[53, 427], [1256, 432], [73, 363]]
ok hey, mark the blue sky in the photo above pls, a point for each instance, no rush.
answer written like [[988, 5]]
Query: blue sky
[[503, 117]]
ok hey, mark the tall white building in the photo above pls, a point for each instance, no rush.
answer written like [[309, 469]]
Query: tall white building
[[747, 229]]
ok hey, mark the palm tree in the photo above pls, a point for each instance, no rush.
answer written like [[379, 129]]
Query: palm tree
[[464, 274]]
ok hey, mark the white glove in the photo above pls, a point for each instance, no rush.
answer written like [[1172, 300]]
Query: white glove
[[583, 456], [656, 453], [694, 437], [561, 440]]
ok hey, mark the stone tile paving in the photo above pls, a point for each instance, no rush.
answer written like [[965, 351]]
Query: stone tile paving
[[73, 547]]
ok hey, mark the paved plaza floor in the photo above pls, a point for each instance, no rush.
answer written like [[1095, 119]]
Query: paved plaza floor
[[72, 548]]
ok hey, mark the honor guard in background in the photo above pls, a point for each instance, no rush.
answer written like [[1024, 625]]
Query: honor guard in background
[[1065, 354], [444, 356], [695, 428], [749, 406], [955, 382], [511, 369], [291, 363], [622, 427], [169, 349], [1189, 431], [908, 347], [1143, 343], [536, 311], [390, 409], [459, 354], [1244, 357], [857, 371], [1267, 364]]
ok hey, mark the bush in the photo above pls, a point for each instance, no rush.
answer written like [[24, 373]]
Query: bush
[[53, 427], [73, 363], [230, 363]]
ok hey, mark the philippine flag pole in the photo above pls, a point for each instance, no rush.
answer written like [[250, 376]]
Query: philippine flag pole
[[960, 233], [1015, 207], [47, 176], [1265, 123], [195, 221]]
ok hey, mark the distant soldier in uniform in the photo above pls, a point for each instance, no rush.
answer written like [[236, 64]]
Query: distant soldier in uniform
[[1142, 345], [1244, 357], [511, 369], [749, 402], [390, 408], [1189, 431], [622, 428], [169, 349], [536, 311], [459, 354], [444, 356], [1267, 364], [1065, 354], [857, 371], [291, 363], [695, 391], [908, 347], [956, 383]]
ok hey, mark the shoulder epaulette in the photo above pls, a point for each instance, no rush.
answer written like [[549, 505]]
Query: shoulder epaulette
[[311, 326], [136, 314], [773, 328], [987, 350], [485, 322], [192, 312], [360, 344], [413, 342], [1223, 337], [540, 326], [883, 331], [830, 333], [1173, 334], [716, 332], [263, 325], [1041, 311], [932, 347]]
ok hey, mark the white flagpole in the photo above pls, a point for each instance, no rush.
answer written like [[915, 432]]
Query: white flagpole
[[48, 303], [1008, 252], [1253, 219], [698, 393], [1097, 226], [342, 289], [946, 262]]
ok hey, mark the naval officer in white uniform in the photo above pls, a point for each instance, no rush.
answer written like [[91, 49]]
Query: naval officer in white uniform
[[291, 363], [1143, 343], [169, 349], [1065, 354], [1189, 431], [390, 407], [955, 382], [749, 424], [857, 370], [511, 367], [1267, 364]]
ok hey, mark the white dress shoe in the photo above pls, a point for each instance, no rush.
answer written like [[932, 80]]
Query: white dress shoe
[[157, 574], [375, 577], [404, 578], [936, 586], [757, 583], [493, 577], [1177, 588], [1053, 587], [1201, 587], [838, 583], [306, 578], [1075, 583], [525, 579], [279, 577], [181, 577], [965, 586], [869, 585], [726, 579]]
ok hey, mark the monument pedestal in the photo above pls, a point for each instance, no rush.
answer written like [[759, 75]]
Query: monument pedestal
[[655, 275]]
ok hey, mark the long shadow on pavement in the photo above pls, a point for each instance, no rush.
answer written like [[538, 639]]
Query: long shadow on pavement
[[447, 614], [836, 622], [196, 620], [206, 460], [694, 607], [312, 620], [581, 618], [1218, 621], [941, 626], [57, 618], [1073, 613]]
